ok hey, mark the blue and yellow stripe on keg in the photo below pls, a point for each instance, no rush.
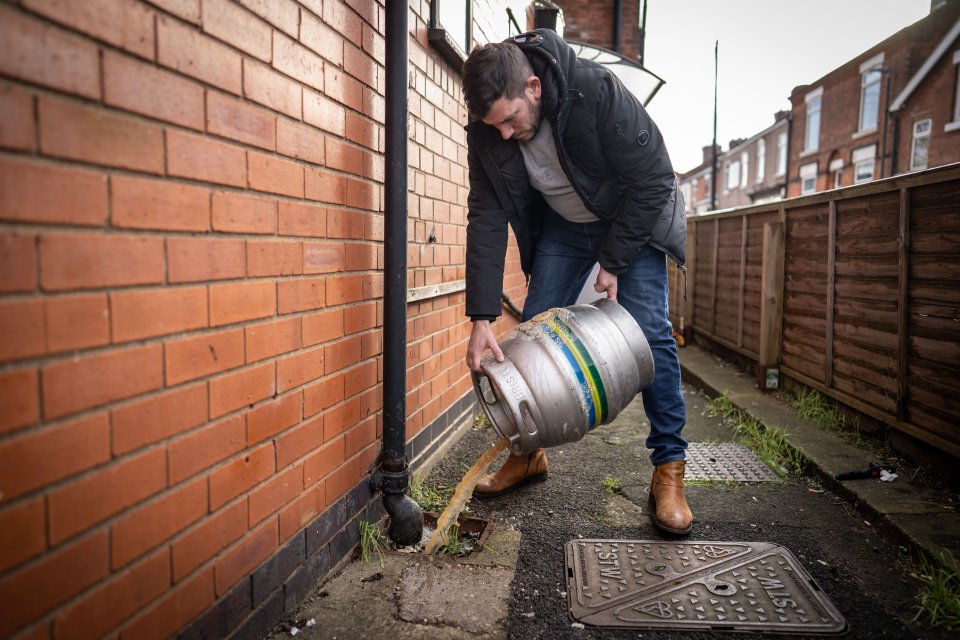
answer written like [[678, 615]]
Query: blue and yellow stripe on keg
[[583, 367]]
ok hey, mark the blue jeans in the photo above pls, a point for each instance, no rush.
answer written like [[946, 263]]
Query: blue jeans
[[565, 255]]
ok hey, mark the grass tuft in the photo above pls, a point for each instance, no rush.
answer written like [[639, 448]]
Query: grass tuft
[[769, 444], [612, 485], [429, 497], [812, 405], [372, 539], [939, 597]]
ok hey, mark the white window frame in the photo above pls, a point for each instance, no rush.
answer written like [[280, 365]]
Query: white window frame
[[761, 159], [811, 132], [862, 159], [836, 169], [808, 172], [732, 176], [744, 168], [781, 153], [871, 76], [955, 123], [917, 137]]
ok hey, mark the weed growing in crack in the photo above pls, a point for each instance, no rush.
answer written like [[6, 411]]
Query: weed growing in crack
[[372, 539], [939, 596]]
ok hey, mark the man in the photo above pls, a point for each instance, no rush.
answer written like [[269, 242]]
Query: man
[[564, 154]]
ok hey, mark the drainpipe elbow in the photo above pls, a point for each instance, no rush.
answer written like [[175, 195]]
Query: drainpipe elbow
[[406, 517]]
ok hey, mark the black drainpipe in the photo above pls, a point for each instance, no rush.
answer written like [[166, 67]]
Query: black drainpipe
[[617, 22], [406, 518]]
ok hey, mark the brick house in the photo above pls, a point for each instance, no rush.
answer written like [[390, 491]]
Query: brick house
[[860, 121], [753, 171], [695, 184]]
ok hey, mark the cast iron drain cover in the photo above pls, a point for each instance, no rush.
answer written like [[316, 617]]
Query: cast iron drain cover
[[725, 461], [736, 586]]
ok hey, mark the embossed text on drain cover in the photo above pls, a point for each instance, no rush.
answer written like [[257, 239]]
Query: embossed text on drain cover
[[725, 461], [654, 584]]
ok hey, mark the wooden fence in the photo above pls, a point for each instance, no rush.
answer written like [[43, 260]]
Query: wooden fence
[[854, 292]]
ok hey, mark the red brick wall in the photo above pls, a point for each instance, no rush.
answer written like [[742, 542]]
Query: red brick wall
[[592, 21], [191, 251]]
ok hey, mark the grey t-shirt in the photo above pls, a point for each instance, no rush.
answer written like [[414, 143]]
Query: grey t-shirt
[[547, 176]]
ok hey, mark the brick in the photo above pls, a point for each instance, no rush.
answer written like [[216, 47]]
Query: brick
[[126, 24], [76, 322], [17, 128], [302, 511], [374, 44], [102, 609], [23, 532], [323, 257], [361, 317], [320, 464], [142, 88], [18, 262], [343, 19], [343, 289], [322, 39], [237, 302], [232, 24], [362, 131], [360, 65], [78, 261], [283, 14], [241, 474], [19, 399], [269, 339], [273, 417], [345, 224], [344, 156], [135, 315], [169, 614], [199, 356], [198, 56], [360, 256], [361, 378], [199, 158], [158, 417], [157, 521], [298, 62], [51, 194], [196, 259], [56, 578], [240, 213], [297, 443], [265, 86], [358, 437], [341, 418], [341, 88], [91, 381], [322, 327], [212, 535], [325, 186], [300, 141], [298, 219], [95, 497], [349, 474], [301, 294], [270, 258], [231, 118], [203, 448], [162, 205], [322, 395], [189, 10], [22, 330], [269, 497], [91, 134], [322, 112], [242, 388], [239, 561], [275, 175], [341, 354], [47, 56], [298, 369]]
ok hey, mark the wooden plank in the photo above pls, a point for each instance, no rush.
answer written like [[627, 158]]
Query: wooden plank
[[743, 278], [771, 295], [687, 317], [831, 292], [903, 299], [716, 255]]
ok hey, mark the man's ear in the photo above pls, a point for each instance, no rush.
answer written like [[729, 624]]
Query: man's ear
[[533, 84]]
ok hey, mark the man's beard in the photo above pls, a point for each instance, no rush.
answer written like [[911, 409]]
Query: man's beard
[[534, 109]]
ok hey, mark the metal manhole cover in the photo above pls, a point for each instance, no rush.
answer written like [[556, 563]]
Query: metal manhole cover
[[725, 461], [738, 586]]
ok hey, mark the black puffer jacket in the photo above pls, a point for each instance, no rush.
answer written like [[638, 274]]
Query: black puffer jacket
[[612, 152]]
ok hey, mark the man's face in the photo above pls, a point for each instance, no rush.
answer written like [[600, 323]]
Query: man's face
[[517, 118]]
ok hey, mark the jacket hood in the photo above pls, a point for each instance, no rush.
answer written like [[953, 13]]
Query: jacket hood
[[553, 61]]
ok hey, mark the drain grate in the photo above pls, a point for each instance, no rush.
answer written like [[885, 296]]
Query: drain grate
[[737, 586], [725, 461]]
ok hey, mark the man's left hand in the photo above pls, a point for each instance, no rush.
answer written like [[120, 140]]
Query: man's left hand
[[606, 281]]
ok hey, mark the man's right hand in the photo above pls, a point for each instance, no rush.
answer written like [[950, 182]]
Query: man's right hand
[[481, 339]]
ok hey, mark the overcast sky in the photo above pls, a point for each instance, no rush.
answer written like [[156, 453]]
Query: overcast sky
[[767, 47]]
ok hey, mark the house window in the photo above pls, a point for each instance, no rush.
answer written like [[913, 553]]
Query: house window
[[733, 175], [745, 164], [761, 158], [836, 168], [921, 143], [956, 91], [782, 153], [808, 178], [811, 140], [450, 30], [870, 74], [864, 161]]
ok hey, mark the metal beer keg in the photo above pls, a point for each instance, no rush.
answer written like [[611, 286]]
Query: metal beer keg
[[565, 371]]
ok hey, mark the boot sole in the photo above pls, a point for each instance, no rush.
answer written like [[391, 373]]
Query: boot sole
[[652, 504], [540, 477]]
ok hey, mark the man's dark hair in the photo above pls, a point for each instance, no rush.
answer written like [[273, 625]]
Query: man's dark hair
[[493, 71]]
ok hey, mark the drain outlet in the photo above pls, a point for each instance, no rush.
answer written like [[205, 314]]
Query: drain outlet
[[725, 461]]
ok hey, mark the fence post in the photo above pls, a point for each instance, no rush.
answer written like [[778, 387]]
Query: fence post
[[686, 314], [771, 306]]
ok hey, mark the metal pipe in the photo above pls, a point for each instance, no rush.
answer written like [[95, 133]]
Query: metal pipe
[[617, 20], [406, 518]]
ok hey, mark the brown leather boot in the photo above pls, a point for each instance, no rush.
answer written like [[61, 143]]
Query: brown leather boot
[[516, 472], [670, 510]]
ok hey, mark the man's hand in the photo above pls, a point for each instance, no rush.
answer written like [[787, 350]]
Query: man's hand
[[606, 281], [481, 339]]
